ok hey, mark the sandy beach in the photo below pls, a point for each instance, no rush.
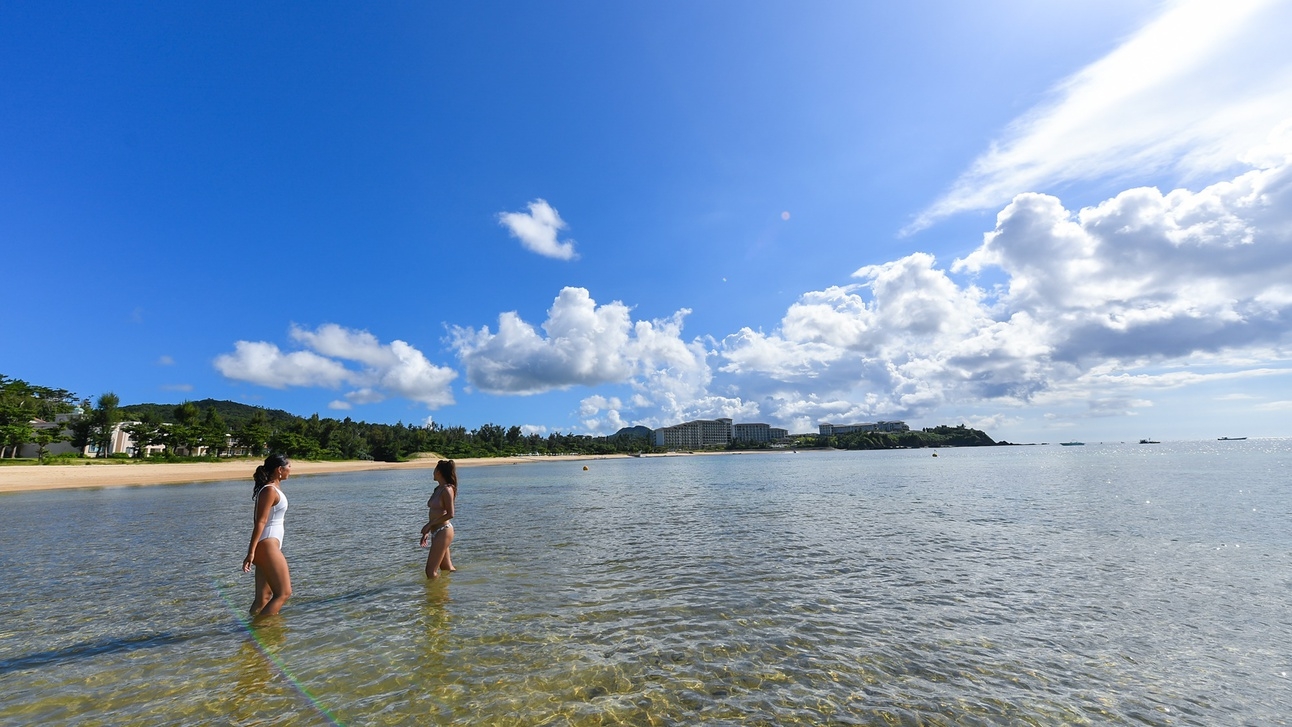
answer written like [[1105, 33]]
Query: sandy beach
[[26, 478]]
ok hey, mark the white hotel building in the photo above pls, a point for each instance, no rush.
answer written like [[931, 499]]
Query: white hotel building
[[714, 433], [757, 433]]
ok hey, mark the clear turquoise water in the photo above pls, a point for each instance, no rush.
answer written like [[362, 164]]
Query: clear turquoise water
[[1105, 584]]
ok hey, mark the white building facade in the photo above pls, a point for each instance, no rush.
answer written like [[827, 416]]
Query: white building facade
[[715, 433], [695, 434], [757, 433]]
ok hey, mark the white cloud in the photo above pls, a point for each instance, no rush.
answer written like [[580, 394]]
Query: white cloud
[[339, 405], [260, 362], [585, 344], [365, 396], [530, 429], [1190, 94], [594, 404], [1096, 306], [1275, 406], [1151, 275], [394, 369], [338, 342], [177, 387], [165, 361], [538, 230]]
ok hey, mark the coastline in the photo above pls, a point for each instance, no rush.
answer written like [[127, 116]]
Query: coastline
[[32, 478]]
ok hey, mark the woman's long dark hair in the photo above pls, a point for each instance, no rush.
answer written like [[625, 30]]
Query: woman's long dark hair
[[449, 471], [266, 471]]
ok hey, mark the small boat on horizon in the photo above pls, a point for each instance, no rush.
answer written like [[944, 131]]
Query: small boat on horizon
[[1149, 441], [1072, 444], [1231, 439]]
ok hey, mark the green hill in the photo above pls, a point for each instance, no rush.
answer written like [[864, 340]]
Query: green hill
[[234, 413]]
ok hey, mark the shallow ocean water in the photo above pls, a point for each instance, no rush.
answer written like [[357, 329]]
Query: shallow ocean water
[[1105, 584]]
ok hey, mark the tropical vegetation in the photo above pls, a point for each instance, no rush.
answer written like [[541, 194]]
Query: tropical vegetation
[[217, 428]]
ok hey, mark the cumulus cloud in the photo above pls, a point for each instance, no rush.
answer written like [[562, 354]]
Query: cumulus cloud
[[582, 343], [385, 370], [1092, 302], [1148, 274], [261, 362], [1190, 94], [537, 230]]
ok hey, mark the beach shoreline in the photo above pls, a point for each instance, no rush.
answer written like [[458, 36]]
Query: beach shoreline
[[100, 474]]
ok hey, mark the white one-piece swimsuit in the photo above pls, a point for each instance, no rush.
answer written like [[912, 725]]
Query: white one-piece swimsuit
[[274, 528]]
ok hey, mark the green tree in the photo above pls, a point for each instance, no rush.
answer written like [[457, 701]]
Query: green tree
[[15, 434], [253, 435], [214, 433], [294, 444], [83, 426], [345, 442], [145, 433], [45, 436], [15, 414], [185, 432], [106, 416]]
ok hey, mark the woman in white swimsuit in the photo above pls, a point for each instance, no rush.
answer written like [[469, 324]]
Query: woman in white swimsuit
[[438, 530], [273, 581]]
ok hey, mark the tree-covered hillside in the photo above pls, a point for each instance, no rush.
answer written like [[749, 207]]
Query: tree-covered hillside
[[234, 413], [939, 436]]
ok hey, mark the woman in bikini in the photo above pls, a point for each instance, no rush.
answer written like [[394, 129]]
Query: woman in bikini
[[273, 580], [438, 531]]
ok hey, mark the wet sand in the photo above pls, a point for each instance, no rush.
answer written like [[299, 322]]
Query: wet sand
[[124, 473]]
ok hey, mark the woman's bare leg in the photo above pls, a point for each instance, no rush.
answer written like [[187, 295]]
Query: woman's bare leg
[[262, 595], [439, 551], [270, 561], [446, 563]]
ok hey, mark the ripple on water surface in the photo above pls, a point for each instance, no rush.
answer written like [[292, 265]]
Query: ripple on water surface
[[1095, 585]]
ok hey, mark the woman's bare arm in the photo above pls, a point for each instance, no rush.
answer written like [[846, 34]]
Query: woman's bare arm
[[263, 506]]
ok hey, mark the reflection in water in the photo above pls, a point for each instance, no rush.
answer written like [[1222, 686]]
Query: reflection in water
[[264, 676], [256, 672], [431, 691], [435, 615]]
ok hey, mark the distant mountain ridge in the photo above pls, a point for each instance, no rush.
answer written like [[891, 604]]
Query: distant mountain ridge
[[233, 412], [637, 432]]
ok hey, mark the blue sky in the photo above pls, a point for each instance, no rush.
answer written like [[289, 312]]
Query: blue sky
[[1051, 221]]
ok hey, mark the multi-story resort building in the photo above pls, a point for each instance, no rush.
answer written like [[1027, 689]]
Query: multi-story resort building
[[715, 433], [721, 432], [890, 426], [695, 434], [757, 433]]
